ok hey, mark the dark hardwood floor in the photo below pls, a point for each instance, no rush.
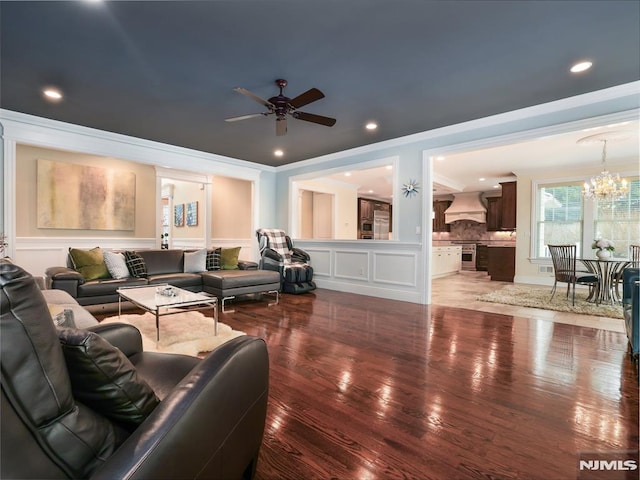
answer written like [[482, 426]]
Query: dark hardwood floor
[[367, 388]]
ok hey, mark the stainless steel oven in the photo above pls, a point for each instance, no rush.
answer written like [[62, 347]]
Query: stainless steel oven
[[468, 256], [367, 227], [366, 230]]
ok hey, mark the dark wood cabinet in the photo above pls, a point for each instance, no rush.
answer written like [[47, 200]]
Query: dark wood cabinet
[[365, 209], [502, 263], [509, 206], [482, 258], [494, 214], [439, 207]]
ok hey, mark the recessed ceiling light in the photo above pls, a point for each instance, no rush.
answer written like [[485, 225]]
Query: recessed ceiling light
[[440, 158], [371, 126], [581, 67], [347, 174], [481, 179], [496, 186], [52, 93], [278, 153], [389, 167], [370, 191]]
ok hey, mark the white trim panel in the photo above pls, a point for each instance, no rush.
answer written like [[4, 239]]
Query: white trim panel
[[36, 254], [320, 261], [384, 269], [395, 268], [351, 265]]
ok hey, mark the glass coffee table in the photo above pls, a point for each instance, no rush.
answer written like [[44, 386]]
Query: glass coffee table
[[162, 300]]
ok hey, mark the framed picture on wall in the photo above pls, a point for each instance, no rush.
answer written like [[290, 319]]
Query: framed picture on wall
[[192, 214], [178, 215]]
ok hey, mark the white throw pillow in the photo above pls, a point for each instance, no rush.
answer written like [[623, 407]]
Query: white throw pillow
[[195, 262], [116, 265]]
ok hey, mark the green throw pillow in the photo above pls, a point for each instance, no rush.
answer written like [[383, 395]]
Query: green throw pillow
[[90, 263], [229, 258]]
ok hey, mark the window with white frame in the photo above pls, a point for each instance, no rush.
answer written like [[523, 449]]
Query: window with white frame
[[563, 216]]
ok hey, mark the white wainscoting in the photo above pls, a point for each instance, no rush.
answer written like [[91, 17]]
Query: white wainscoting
[[384, 269], [36, 254]]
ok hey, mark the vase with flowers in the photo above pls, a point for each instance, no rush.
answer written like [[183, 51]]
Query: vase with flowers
[[603, 248]]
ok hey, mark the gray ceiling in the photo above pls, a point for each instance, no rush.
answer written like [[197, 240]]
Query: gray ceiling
[[166, 71]]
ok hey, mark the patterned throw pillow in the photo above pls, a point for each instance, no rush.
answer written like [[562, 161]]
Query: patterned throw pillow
[[116, 264], [135, 264], [213, 259]]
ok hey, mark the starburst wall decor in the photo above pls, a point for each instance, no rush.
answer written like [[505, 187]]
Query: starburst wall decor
[[411, 188]]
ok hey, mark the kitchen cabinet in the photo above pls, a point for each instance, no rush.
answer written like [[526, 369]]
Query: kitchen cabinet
[[509, 206], [439, 207], [368, 211], [482, 258], [446, 260], [365, 209], [494, 214], [502, 263]]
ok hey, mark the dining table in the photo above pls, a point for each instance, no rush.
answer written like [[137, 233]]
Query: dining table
[[608, 271]]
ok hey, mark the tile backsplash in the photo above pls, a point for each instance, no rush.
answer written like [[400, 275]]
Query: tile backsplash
[[474, 232]]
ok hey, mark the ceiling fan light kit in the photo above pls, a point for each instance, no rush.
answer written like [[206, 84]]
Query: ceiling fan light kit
[[281, 106]]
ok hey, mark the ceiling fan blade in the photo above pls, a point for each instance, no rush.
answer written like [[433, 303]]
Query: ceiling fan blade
[[281, 126], [310, 117], [244, 117], [306, 98], [255, 97]]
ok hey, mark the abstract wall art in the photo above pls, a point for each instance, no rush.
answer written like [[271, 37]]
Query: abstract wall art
[[192, 214], [178, 215], [74, 196]]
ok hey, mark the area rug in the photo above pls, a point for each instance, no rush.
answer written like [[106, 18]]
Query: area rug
[[188, 333], [536, 297]]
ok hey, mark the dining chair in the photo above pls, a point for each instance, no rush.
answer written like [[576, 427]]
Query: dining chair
[[564, 269], [634, 258], [634, 255]]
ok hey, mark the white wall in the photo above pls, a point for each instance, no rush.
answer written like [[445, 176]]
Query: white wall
[[527, 270], [345, 207], [271, 199], [413, 162], [36, 254]]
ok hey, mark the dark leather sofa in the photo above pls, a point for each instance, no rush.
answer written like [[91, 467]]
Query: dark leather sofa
[[208, 424], [165, 266]]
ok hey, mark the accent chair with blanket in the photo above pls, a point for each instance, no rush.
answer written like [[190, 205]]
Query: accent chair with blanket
[[278, 253]]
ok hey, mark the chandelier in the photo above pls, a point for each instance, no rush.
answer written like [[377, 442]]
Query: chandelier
[[605, 186]]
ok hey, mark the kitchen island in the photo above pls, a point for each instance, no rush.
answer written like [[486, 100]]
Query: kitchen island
[[502, 262]]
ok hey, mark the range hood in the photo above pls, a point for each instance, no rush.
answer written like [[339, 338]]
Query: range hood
[[466, 206]]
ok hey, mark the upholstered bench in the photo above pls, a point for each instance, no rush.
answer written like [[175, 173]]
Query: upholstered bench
[[227, 284]]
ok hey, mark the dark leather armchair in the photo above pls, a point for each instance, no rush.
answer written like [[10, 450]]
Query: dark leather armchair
[[277, 253], [209, 421]]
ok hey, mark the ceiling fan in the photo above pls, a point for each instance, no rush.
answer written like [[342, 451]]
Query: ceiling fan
[[282, 106]]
